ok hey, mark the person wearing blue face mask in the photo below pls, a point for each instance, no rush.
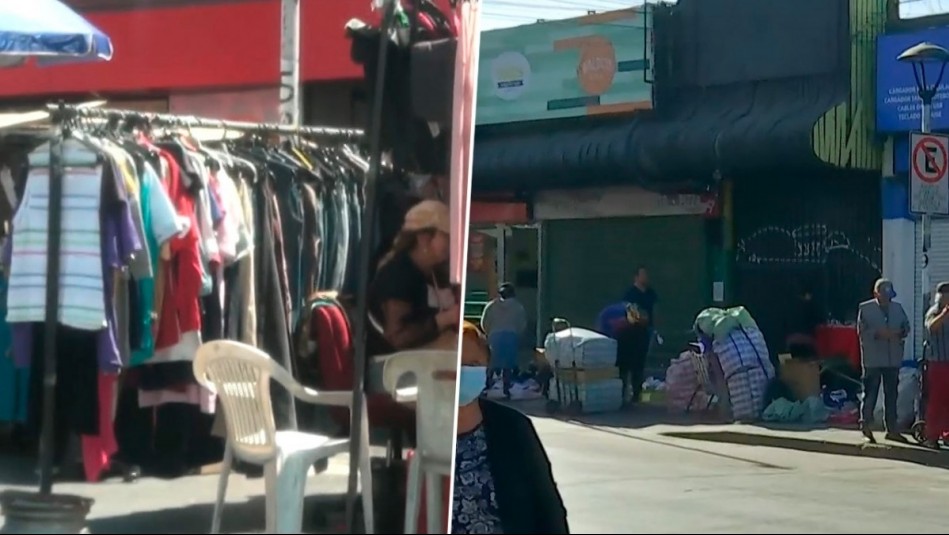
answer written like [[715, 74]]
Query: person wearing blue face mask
[[882, 326], [503, 480]]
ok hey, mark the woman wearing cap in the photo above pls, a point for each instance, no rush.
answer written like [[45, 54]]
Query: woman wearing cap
[[503, 479], [410, 298]]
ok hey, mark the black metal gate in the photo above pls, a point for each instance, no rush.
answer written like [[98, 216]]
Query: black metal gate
[[790, 233]]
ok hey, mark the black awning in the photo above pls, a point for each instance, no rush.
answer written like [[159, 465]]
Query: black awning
[[735, 130]]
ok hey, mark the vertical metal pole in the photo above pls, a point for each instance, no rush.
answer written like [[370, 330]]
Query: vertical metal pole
[[540, 328], [501, 257], [291, 101], [926, 220], [365, 257], [54, 214]]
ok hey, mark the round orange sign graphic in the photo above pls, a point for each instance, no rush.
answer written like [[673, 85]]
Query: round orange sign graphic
[[597, 66]]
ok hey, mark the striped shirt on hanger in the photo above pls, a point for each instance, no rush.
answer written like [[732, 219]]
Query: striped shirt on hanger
[[937, 340], [81, 297]]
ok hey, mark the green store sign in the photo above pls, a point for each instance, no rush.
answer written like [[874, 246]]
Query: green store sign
[[596, 64]]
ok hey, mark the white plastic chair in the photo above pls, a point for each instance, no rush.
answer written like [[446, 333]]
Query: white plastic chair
[[435, 414], [240, 375]]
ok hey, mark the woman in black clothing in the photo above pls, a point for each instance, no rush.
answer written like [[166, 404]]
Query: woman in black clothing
[[503, 479], [410, 299]]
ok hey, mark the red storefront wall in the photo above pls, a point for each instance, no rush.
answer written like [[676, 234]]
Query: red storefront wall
[[200, 46]]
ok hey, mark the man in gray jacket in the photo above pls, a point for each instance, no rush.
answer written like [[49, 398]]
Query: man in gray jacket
[[504, 321], [882, 326]]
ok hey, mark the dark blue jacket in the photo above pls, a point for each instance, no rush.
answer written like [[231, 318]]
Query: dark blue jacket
[[528, 498]]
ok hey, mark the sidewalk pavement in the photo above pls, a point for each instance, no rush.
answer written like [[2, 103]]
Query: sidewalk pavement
[[639, 480], [656, 421], [185, 505]]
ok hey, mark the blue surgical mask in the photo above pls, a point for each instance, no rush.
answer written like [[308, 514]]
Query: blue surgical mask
[[892, 293], [471, 383]]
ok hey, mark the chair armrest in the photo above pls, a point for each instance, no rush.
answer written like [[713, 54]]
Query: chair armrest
[[334, 398], [407, 395]]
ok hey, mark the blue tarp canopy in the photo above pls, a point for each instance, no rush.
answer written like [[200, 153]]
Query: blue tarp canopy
[[50, 31]]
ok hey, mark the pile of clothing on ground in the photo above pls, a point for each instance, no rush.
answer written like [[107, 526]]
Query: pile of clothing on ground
[[811, 392], [798, 395], [654, 390], [728, 369]]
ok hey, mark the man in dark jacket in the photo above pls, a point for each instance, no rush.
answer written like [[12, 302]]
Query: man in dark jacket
[[634, 339]]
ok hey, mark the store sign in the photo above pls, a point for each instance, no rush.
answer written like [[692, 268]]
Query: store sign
[[589, 65], [898, 107], [621, 201]]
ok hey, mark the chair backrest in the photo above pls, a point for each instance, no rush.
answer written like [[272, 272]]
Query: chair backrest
[[240, 376], [435, 372]]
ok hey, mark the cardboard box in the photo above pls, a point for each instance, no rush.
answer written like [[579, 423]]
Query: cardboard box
[[587, 375], [801, 377]]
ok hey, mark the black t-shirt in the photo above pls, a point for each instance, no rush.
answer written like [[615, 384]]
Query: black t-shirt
[[400, 279], [645, 300]]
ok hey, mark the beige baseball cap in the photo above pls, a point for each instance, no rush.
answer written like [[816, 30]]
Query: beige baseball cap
[[428, 215]]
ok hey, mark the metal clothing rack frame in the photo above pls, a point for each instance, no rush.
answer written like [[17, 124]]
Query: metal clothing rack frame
[[61, 116]]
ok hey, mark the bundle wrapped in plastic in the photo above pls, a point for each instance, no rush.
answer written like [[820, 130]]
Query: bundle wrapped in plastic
[[684, 391], [743, 354], [580, 347]]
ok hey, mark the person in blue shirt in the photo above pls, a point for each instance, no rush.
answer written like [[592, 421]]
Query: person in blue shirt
[[634, 339]]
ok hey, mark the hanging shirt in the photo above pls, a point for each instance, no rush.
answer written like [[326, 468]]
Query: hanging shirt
[[124, 170], [82, 297], [118, 241], [180, 280], [162, 224], [228, 229]]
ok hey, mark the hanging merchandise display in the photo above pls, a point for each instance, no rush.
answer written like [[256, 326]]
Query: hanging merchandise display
[[167, 241]]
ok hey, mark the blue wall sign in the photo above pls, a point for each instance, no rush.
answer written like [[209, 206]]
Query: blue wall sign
[[897, 103]]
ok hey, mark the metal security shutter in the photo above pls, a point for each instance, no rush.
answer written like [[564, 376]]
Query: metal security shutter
[[791, 233], [938, 271], [589, 263]]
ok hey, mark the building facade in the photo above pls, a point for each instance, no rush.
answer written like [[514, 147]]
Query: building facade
[[209, 57], [898, 111], [749, 174]]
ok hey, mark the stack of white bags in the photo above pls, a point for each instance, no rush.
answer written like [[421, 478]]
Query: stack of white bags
[[592, 352]]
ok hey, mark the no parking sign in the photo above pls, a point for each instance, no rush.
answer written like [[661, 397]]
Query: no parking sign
[[929, 174]]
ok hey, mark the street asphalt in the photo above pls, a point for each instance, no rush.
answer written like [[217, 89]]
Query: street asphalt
[[639, 472], [624, 474]]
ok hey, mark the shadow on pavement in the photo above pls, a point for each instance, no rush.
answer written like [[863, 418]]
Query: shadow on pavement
[[651, 415], [908, 454], [324, 514], [820, 438], [638, 418]]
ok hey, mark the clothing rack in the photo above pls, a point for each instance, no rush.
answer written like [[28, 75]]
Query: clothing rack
[[63, 117], [63, 114]]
